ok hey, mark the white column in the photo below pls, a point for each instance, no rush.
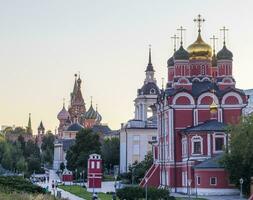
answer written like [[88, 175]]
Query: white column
[[208, 145]]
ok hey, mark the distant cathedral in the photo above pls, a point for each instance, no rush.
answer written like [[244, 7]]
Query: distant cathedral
[[76, 115], [72, 120]]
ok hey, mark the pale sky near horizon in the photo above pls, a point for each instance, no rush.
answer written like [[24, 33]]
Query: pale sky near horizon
[[43, 43]]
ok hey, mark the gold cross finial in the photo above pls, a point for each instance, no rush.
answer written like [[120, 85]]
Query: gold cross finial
[[199, 21], [175, 38], [214, 39], [181, 29], [224, 29]]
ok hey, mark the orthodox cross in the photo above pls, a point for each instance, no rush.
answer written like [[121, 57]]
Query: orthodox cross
[[175, 38], [224, 29], [214, 39], [181, 29], [199, 21]]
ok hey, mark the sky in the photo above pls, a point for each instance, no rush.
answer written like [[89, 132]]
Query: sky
[[43, 43]]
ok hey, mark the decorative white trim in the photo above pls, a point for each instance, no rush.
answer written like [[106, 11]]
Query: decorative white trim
[[210, 181], [239, 98], [213, 96], [218, 135], [197, 139], [183, 94]]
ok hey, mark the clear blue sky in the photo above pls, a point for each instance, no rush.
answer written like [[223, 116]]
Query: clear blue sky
[[44, 42]]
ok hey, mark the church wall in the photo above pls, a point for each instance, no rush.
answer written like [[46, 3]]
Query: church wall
[[232, 116]]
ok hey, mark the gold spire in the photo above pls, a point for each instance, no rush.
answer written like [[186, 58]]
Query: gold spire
[[200, 50]]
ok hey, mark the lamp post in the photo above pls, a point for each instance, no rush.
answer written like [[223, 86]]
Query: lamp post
[[146, 188], [189, 190], [83, 177], [196, 183], [114, 196], [93, 177], [241, 182], [75, 176]]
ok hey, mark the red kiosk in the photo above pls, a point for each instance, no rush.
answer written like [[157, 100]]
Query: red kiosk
[[94, 173]]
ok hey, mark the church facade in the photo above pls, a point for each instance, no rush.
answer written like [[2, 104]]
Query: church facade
[[200, 101]]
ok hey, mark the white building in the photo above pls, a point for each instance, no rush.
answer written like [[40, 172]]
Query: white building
[[137, 134]]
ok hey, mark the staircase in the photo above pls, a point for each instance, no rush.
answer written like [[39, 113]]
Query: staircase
[[152, 176]]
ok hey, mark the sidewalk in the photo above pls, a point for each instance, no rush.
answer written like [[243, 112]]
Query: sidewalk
[[64, 194], [209, 197]]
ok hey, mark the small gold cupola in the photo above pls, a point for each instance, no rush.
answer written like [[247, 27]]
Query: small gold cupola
[[199, 50]]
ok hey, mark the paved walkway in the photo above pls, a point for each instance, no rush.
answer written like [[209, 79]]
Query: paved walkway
[[64, 194], [210, 197]]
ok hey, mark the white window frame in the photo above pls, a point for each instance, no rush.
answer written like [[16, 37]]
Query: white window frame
[[211, 181], [218, 135], [184, 147], [98, 165], [92, 164], [198, 180], [197, 139]]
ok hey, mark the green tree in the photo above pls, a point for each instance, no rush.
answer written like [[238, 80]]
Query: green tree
[[110, 152], [47, 148], [238, 160], [86, 143], [138, 169], [21, 165]]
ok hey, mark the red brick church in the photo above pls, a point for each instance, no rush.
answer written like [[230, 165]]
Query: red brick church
[[200, 100]]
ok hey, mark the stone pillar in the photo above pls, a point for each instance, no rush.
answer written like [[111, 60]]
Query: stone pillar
[[251, 186]]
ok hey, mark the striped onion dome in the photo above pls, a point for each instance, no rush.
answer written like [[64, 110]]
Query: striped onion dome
[[99, 117], [91, 113], [63, 114]]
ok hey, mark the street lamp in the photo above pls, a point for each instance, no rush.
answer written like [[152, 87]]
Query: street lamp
[[241, 182], [93, 177], [114, 196], [196, 183], [146, 188], [189, 188]]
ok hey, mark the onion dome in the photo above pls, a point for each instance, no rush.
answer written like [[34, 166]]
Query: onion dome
[[224, 54], [99, 118], [91, 113], [181, 54], [170, 62], [75, 127], [63, 114], [200, 50]]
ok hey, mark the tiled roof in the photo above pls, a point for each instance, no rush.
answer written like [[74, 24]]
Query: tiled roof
[[210, 163], [104, 129], [210, 125], [75, 127]]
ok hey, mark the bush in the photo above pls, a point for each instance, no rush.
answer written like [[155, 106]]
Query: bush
[[135, 193], [16, 183]]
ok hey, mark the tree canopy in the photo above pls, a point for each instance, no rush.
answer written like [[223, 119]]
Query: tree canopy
[[86, 143], [238, 160], [47, 148], [110, 152]]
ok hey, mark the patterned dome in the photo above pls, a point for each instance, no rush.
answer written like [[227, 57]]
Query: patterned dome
[[98, 118], [224, 54], [91, 113], [149, 89], [63, 114], [181, 54]]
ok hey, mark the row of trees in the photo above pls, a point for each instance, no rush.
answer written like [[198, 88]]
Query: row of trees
[[23, 156]]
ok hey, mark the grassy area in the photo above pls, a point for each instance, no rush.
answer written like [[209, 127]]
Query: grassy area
[[82, 192], [192, 198], [24, 196]]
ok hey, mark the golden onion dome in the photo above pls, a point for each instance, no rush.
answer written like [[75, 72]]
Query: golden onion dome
[[199, 50]]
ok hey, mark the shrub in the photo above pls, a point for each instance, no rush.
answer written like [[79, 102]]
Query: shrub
[[135, 193]]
